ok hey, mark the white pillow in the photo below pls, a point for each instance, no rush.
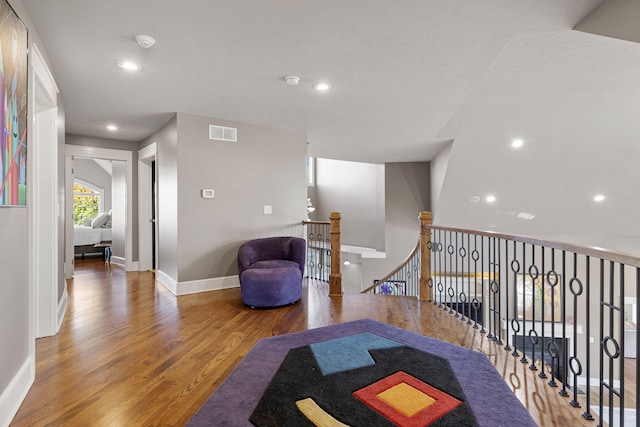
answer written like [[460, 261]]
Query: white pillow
[[87, 222], [100, 220]]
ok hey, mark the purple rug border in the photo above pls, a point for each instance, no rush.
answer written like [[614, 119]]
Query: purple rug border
[[234, 401]]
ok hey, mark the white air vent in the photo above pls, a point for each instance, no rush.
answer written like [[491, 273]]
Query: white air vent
[[223, 133]]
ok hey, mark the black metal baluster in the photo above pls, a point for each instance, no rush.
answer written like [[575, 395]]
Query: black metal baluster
[[463, 296], [587, 413], [534, 274], [491, 296], [524, 304], [507, 347], [515, 322], [576, 368], [497, 279], [469, 304], [475, 303], [605, 340], [483, 303], [552, 347], [440, 271], [565, 374], [450, 292], [601, 344], [542, 373], [457, 276], [621, 350]]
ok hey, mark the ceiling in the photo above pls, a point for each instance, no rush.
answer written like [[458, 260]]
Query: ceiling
[[401, 71]]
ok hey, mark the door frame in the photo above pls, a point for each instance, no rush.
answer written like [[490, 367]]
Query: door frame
[[108, 154], [46, 306], [145, 226]]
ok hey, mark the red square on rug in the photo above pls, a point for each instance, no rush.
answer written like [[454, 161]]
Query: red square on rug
[[406, 401]]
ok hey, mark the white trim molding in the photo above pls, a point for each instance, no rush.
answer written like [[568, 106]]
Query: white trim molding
[[15, 393], [62, 308], [145, 220], [197, 286], [167, 281], [112, 154], [205, 285]]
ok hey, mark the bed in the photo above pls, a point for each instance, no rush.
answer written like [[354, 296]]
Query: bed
[[93, 237]]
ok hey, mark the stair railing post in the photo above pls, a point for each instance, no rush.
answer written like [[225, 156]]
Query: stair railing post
[[335, 278], [425, 255]]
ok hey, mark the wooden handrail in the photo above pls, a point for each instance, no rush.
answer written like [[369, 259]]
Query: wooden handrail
[[388, 276], [594, 251], [305, 222]]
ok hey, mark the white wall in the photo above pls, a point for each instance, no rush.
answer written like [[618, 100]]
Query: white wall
[[356, 190], [119, 206]]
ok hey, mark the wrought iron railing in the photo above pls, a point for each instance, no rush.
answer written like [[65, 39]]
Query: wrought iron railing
[[570, 313], [403, 280], [318, 265]]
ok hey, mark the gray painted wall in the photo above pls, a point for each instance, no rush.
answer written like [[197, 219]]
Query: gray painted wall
[[87, 170], [438, 172], [14, 257], [356, 190], [407, 193], [14, 305], [265, 167], [166, 139]]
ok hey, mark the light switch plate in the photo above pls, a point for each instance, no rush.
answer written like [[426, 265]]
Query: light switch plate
[[268, 209], [207, 193]]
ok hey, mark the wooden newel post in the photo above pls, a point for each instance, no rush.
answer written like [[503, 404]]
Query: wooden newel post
[[425, 255], [335, 278]]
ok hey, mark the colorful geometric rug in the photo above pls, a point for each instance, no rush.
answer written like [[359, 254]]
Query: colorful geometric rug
[[362, 373]]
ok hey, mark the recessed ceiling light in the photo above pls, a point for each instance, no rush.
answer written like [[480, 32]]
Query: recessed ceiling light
[[128, 65], [322, 86], [598, 198], [112, 128], [517, 143], [525, 215], [490, 199], [474, 199]]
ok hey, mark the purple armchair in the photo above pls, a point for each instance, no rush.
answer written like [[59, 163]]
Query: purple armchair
[[270, 271]]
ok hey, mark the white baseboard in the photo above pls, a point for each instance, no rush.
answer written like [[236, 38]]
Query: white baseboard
[[122, 262], [195, 286], [205, 285], [12, 397], [62, 307], [167, 281], [118, 260]]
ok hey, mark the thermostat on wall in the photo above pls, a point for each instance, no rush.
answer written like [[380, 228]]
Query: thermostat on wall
[[207, 193]]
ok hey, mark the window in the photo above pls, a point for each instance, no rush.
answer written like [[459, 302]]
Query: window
[[87, 201], [310, 171]]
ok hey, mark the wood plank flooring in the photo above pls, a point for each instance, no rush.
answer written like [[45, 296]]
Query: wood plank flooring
[[131, 354]]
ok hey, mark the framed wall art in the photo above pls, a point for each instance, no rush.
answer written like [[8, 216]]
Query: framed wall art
[[13, 108]]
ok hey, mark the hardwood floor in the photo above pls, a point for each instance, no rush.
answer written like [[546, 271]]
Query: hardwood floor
[[131, 354]]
